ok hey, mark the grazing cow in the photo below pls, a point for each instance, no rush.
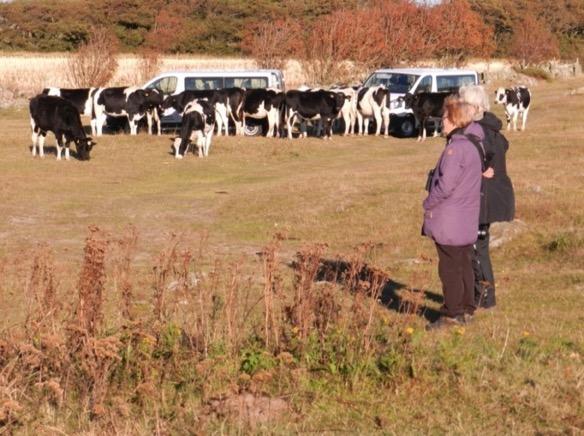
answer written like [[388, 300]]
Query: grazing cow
[[198, 122], [82, 99], [349, 110], [60, 116], [263, 103], [123, 101], [373, 102], [516, 101], [313, 105], [426, 105]]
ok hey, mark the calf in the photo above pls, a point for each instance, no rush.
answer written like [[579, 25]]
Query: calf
[[198, 122], [123, 101], [373, 102], [426, 105], [516, 101], [263, 103], [55, 114], [313, 105], [81, 98]]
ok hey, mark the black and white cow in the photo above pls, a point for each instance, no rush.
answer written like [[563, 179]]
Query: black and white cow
[[263, 104], [60, 116], [426, 105], [122, 101], [516, 101], [154, 110], [313, 105], [373, 102], [82, 99], [348, 112], [198, 122]]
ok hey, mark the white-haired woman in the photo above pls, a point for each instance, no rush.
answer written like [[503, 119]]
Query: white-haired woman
[[499, 199]]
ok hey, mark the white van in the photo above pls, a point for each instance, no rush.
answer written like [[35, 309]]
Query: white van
[[175, 82], [400, 81]]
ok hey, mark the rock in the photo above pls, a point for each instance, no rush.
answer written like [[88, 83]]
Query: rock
[[501, 233]]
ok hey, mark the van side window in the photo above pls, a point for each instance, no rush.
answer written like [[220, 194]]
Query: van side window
[[166, 85], [453, 83], [201, 83], [425, 84], [246, 82]]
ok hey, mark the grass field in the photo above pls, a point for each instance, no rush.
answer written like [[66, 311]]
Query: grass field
[[518, 369]]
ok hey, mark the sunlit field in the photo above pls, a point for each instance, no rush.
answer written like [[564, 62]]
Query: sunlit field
[[519, 368]]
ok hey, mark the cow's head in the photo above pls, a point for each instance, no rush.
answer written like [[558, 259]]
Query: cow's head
[[500, 96], [169, 103], [338, 101], [409, 100], [208, 112], [84, 146], [380, 94]]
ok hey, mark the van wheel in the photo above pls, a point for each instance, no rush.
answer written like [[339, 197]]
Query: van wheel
[[407, 127], [253, 130]]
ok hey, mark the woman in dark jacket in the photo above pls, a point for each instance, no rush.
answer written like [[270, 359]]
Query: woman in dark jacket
[[451, 214], [499, 199]]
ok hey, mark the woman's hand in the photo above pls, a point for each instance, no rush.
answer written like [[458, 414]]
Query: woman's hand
[[489, 173]]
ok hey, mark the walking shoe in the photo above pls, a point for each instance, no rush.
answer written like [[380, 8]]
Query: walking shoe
[[444, 322]]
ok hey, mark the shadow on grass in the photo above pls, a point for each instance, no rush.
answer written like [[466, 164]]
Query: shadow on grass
[[339, 271]]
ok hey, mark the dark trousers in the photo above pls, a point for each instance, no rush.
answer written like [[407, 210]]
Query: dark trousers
[[456, 273], [484, 287]]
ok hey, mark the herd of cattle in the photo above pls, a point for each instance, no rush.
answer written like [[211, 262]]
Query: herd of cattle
[[58, 110]]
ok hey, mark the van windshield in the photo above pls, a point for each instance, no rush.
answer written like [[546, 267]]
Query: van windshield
[[246, 82], [399, 83], [166, 85]]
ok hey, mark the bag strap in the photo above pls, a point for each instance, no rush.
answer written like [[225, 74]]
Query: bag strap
[[476, 141]]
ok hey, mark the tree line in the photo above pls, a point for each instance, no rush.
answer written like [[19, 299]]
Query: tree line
[[373, 31]]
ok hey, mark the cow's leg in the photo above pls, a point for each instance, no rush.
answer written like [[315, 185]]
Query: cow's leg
[[366, 126], [41, 144], [99, 123], [59, 138], [271, 122], [508, 118], [515, 116], [524, 119], [133, 121], [328, 128], [208, 138], [35, 139], [347, 121], [386, 124], [177, 145], [377, 115], [218, 120], [359, 123], [289, 120], [158, 123], [149, 120]]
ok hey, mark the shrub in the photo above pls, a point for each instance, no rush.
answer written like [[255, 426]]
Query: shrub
[[95, 63]]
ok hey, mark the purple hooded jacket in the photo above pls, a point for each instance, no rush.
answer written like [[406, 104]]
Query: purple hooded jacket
[[451, 210]]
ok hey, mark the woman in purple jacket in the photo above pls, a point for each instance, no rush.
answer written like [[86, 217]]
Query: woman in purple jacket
[[451, 214]]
